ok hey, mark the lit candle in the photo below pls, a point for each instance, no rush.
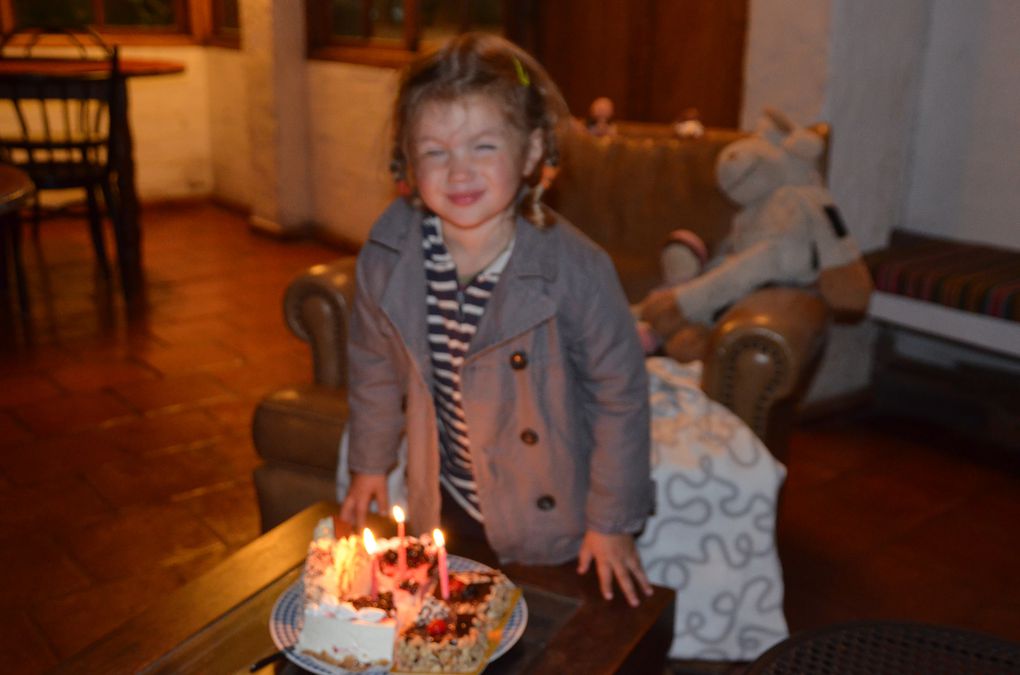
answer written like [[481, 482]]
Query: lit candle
[[444, 575], [398, 515], [371, 547]]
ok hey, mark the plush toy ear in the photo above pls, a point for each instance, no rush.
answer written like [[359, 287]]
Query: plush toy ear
[[766, 128], [779, 120], [804, 144], [793, 139]]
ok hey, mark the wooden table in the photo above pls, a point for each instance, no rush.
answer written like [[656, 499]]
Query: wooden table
[[219, 622], [128, 235]]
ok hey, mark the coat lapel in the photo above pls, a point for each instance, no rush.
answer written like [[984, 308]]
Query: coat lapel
[[519, 302], [403, 301]]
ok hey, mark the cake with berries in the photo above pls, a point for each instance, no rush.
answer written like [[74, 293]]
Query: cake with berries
[[454, 635], [369, 612]]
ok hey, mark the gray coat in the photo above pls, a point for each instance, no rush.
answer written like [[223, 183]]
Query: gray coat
[[554, 388]]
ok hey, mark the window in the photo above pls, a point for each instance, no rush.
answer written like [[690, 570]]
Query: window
[[133, 21], [389, 32], [103, 15]]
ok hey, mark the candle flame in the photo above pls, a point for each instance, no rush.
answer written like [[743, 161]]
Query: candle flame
[[370, 546], [437, 536], [398, 514]]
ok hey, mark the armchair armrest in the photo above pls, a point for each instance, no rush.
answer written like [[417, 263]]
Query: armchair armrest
[[301, 426], [297, 434], [297, 430], [317, 307], [760, 353]]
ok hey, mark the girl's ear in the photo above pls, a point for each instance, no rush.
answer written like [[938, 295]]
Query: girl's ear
[[533, 152]]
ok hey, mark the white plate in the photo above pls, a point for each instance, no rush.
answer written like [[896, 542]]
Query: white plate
[[287, 617]]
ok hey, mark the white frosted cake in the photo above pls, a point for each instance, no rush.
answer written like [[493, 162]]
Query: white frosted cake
[[398, 621]]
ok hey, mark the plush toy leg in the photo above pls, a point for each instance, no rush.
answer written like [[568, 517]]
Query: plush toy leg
[[683, 257], [782, 260], [679, 264], [847, 288]]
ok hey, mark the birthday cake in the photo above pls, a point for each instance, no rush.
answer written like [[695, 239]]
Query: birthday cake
[[393, 609]]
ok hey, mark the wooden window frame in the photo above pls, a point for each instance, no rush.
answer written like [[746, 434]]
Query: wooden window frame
[[323, 45], [194, 28], [219, 36]]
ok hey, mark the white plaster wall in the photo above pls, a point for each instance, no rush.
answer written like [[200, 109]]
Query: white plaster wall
[[349, 125], [171, 125], [966, 160], [786, 61], [875, 69], [230, 148], [275, 72], [856, 64]]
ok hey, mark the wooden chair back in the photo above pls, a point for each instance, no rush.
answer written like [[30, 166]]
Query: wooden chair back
[[58, 128]]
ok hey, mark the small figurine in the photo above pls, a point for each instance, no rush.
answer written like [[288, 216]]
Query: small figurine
[[600, 117], [689, 126]]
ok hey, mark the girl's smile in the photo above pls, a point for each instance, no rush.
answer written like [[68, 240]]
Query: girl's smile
[[465, 198], [469, 162]]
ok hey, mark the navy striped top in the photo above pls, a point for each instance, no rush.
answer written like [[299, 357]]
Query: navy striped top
[[453, 313]]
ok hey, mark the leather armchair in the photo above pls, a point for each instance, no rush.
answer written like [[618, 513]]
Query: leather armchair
[[627, 192]]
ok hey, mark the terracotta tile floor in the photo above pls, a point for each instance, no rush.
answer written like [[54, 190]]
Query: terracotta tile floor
[[125, 454]]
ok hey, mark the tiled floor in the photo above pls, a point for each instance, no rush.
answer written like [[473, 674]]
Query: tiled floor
[[125, 455], [125, 452]]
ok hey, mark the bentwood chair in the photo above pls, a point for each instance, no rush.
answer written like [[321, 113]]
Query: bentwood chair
[[57, 127], [15, 189]]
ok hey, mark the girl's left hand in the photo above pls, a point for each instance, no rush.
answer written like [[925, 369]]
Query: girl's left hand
[[616, 556]]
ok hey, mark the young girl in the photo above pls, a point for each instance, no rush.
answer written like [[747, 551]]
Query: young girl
[[498, 341]]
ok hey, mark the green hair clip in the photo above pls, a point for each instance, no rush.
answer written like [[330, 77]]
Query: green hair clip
[[522, 74]]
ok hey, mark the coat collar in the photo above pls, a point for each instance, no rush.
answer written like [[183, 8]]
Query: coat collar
[[403, 299], [518, 302]]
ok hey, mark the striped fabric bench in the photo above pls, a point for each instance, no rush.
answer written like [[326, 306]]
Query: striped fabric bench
[[974, 289]]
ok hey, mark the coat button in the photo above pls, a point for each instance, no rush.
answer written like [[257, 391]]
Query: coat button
[[518, 360], [545, 503], [529, 436]]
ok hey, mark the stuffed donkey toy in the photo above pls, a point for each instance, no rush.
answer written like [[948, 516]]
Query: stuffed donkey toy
[[788, 231]]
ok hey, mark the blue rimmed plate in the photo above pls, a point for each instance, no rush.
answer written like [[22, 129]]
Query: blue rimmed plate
[[287, 617]]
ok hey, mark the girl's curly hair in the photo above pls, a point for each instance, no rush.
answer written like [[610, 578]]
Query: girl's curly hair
[[482, 63]]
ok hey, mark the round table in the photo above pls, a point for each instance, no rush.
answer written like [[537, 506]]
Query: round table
[[889, 648], [15, 189], [127, 229]]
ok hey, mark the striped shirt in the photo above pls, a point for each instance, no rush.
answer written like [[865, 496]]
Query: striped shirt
[[453, 313]]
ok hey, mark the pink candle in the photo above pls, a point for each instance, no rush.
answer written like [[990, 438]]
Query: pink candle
[[398, 515], [371, 548], [444, 574]]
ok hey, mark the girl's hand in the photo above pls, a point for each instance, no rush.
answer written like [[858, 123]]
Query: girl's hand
[[615, 555], [662, 313], [364, 488]]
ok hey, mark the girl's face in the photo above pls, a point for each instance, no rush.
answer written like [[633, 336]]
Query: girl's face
[[469, 161]]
